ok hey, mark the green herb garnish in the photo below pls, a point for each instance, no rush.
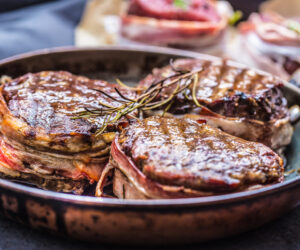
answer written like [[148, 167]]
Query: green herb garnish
[[294, 25], [236, 16], [182, 80], [182, 4]]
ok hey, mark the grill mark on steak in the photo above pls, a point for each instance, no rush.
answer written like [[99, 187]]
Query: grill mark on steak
[[227, 90], [50, 99], [182, 152], [43, 142], [38, 110]]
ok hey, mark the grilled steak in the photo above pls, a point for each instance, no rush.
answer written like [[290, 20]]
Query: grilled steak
[[174, 157], [239, 100], [41, 140]]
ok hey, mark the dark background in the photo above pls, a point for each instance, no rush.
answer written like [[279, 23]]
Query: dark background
[[27, 25]]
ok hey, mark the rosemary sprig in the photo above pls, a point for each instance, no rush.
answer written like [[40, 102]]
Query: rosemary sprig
[[147, 99]]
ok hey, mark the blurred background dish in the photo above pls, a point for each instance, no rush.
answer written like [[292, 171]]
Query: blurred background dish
[[35, 24], [199, 25], [270, 42], [204, 26]]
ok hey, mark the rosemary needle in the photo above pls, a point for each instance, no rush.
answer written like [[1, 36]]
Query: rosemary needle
[[123, 85], [194, 95]]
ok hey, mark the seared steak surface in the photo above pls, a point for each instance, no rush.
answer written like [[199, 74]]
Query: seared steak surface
[[50, 100], [39, 110], [225, 89], [43, 141], [183, 152]]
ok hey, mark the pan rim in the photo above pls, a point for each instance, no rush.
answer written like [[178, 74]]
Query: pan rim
[[111, 202]]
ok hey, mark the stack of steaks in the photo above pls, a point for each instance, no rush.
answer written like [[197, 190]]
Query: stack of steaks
[[42, 142], [222, 142]]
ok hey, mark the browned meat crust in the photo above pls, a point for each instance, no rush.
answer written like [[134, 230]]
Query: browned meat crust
[[39, 109], [183, 154], [237, 95], [40, 137], [227, 90]]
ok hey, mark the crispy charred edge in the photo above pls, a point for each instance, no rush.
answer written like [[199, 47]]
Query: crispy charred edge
[[53, 183], [271, 105], [147, 187], [16, 129]]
